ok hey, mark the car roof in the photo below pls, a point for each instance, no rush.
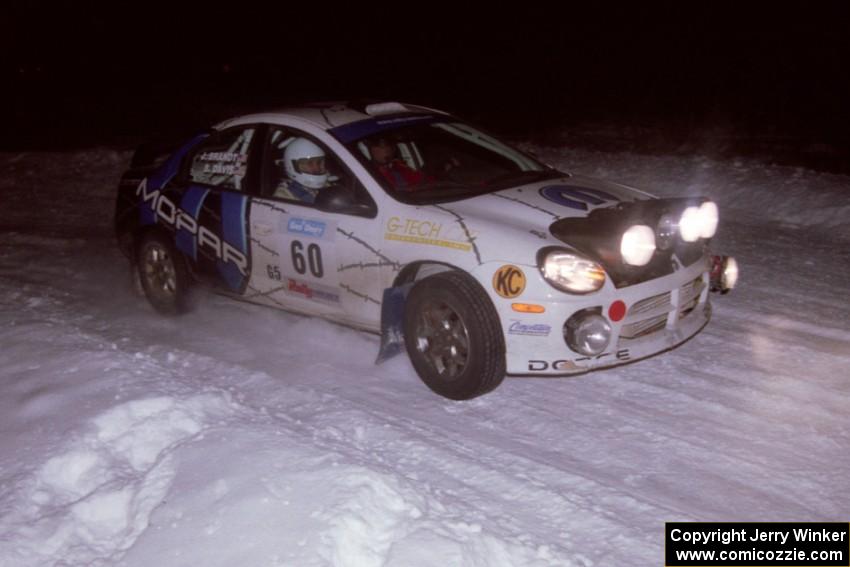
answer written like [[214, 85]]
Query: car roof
[[328, 115]]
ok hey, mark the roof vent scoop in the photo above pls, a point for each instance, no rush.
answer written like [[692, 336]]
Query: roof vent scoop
[[380, 108]]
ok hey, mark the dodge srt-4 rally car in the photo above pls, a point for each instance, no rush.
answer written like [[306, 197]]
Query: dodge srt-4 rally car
[[406, 221]]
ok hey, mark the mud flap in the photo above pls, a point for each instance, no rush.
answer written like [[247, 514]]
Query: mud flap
[[392, 320]]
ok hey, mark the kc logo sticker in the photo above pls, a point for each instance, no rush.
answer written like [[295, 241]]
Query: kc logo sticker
[[509, 281]]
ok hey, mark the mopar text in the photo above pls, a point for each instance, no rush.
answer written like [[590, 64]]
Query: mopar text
[[174, 216]]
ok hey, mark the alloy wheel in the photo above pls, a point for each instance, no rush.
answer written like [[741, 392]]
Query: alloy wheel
[[443, 339]]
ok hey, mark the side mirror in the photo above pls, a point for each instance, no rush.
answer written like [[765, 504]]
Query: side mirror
[[342, 200]]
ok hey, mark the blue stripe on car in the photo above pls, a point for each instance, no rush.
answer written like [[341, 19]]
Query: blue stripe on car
[[362, 128], [164, 174], [575, 197], [191, 203], [233, 231]]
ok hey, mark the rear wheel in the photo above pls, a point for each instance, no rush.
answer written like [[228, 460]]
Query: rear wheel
[[163, 275], [453, 336]]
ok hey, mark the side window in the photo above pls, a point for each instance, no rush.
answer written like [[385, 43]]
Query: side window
[[222, 161], [405, 151]]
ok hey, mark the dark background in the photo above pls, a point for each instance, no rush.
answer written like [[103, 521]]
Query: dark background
[[737, 78]]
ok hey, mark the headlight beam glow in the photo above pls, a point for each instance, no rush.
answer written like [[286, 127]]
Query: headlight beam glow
[[637, 245], [708, 217], [699, 222], [690, 225]]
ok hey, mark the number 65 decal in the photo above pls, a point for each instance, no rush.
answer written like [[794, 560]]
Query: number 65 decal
[[312, 260]]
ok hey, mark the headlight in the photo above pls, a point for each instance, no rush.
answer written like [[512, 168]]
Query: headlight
[[638, 245], [572, 273]]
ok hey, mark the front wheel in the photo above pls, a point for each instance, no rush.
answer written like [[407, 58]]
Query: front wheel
[[163, 275], [453, 336]]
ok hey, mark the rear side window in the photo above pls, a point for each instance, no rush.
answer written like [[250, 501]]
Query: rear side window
[[222, 160]]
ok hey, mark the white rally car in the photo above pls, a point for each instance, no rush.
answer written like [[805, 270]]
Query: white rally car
[[406, 221]]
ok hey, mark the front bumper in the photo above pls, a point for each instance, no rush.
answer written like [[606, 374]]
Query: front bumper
[[660, 314]]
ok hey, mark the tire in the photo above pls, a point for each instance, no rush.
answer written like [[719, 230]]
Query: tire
[[163, 274], [453, 336]]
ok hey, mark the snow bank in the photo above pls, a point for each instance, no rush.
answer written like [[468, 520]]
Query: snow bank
[[93, 497], [280, 501]]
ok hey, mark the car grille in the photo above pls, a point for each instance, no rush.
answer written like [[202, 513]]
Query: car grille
[[645, 327], [651, 303], [690, 291], [688, 300]]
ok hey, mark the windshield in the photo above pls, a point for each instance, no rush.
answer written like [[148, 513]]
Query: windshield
[[436, 159]]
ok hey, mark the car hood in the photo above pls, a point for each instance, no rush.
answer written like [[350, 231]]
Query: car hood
[[532, 208], [585, 214]]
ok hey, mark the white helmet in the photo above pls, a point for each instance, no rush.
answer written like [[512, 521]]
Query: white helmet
[[305, 163]]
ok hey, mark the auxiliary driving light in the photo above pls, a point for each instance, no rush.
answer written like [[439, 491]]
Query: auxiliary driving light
[[730, 274], [699, 222], [587, 332], [724, 273], [638, 245], [690, 224], [708, 217]]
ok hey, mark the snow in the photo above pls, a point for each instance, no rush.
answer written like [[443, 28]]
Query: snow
[[243, 435]]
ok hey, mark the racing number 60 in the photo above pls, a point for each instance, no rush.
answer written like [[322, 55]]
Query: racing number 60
[[313, 260]]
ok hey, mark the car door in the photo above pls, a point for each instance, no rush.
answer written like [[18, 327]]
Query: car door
[[209, 217], [311, 257]]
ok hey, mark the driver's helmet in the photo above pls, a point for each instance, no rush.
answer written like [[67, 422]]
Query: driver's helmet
[[304, 162]]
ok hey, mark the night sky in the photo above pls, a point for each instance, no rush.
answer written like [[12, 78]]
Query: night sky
[[87, 75]]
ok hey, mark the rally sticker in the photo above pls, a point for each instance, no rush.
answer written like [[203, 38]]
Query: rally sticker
[[418, 231], [509, 281], [306, 227], [312, 291], [529, 329]]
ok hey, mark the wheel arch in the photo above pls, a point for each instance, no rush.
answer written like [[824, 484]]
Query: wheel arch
[[421, 269], [395, 297]]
